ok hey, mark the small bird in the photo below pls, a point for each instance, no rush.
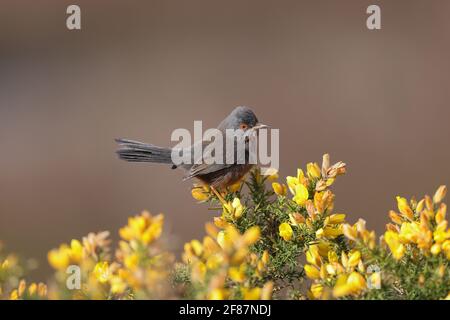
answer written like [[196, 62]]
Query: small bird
[[215, 175]]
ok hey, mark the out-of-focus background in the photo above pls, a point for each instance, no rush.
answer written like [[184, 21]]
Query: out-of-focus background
[[378, 100]]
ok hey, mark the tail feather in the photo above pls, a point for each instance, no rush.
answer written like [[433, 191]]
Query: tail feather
[[135, 151]]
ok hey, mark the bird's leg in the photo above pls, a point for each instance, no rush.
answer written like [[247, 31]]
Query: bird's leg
[[221, 199]]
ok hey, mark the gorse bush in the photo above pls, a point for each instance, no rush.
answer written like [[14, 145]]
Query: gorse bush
[[269, 240]]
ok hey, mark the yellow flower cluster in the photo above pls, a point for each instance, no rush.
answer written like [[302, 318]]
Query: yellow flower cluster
[[253, 250], [346, 270], [316, 180], [66, 255], [420, 225], [143, 229], [224, 266], [203, 193], [84, 256], [92, 248], [12, 270], [315, 201], [142, 268], [139, 270], [32, 292], [232, 211], [419, 229], [316, 220]]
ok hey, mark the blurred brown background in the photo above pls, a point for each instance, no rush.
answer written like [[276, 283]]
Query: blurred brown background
[[377, 100]]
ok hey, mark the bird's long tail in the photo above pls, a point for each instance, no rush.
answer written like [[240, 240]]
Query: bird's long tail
[[135, 151]]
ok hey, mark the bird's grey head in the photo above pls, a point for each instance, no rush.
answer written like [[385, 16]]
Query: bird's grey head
[[240, 118]]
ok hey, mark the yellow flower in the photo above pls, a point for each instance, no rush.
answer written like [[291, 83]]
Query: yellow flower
[[292, 182], [251, 235], [237, 274], [404, 208], [354, 258], [101, 271], [441, 213], [221, 239], [441, 233], [395, 217], [329, 232], [323, 248], [279, 189], [196, 247], [356, 281], [301, 194], [285, 231], [131, 261], [323, 201], [76, 251], [199, 194], [341, 288], [331, 268], [59, 258], [144, 228], [234, 209], [251, 293], [330, 182], [332, 256], [446, 245], [393, 241], [316, 291], [118, 286], [14, 295], [336, 218], [32, 289], [5, 264], [311, 272], [435, 249], [42, 289], [313, 170], [217, 294], [420, 205], [351, 284], [350, 232], [22, 287], [313, 256], [238, 208], [221, 222], [214, 261], [440, 194], [413, 232]]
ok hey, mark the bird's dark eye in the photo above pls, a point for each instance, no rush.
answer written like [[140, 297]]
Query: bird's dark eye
[[243, 126]]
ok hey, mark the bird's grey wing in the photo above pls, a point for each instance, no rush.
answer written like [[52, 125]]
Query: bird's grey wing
[[204, 168], [208, 163]]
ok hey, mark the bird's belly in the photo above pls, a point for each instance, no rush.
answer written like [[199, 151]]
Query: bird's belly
[[227, 176]]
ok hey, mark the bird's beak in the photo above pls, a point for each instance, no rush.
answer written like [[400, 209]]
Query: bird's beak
[[260, 126]]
